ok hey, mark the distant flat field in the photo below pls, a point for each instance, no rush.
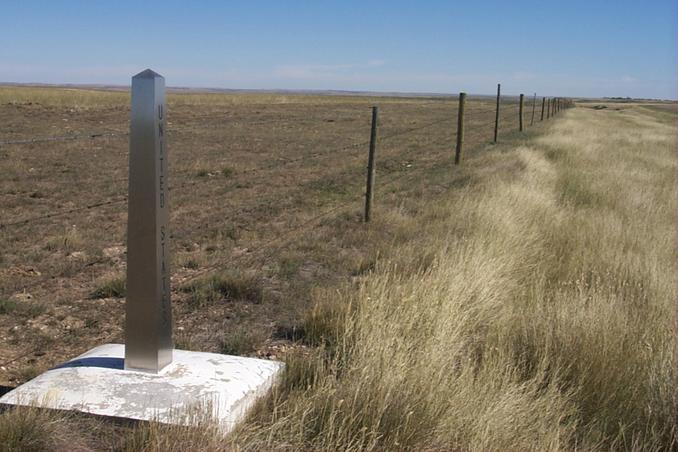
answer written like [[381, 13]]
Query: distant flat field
[[264, 190]]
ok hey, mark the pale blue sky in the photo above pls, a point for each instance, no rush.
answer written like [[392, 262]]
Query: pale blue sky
[[568, 48]]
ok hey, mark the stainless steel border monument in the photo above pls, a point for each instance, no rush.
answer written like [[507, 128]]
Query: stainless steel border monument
[[146, 379], [148, 321]]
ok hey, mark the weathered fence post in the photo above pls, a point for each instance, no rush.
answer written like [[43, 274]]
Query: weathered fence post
[[543, 103], [460, 128], [148, 310], [520, 112], [534, 105], [369, 191], [548, 108], [496, 116]]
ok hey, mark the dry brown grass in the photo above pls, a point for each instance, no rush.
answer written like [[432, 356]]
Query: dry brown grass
[[525, 301], [246, 169]]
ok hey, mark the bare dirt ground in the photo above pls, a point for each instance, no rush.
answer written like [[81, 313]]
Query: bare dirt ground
[[267, 194]]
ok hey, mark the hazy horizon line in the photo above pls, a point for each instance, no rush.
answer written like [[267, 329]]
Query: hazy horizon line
[[298, 91]]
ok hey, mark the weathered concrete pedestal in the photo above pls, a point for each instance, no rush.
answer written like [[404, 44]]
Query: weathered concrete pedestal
[[193, 387]]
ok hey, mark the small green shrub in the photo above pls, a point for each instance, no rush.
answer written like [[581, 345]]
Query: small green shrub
[[240, 342], [234, 287], [7, 306], [288, 266], [29, 308], [112, 288]]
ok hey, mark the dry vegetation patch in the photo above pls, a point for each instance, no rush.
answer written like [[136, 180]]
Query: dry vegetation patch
[[523, 301], [544, 320], [248, 171]]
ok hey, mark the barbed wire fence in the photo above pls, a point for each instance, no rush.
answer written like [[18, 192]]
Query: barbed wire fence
[[506, 111]]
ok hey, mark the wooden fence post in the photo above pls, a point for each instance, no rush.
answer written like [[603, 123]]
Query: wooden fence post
[[369, 191], [543, 103], [496, 116], [520, 112], [534, 104], [460, 128], [548, 108]]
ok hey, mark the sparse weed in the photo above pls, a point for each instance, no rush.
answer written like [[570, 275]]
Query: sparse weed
[[70, 240], [227, 171], [288, 266], [231, 287], [27, 308], [7, 306], [240, 342], [112, 287]]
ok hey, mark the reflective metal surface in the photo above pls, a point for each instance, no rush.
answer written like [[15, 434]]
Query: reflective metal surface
[[148, 317]]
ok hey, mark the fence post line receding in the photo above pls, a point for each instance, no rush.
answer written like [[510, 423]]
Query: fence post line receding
[[460, 128], [534, 105], [543, 103], [496, 117], [369, 190], [520, 112]]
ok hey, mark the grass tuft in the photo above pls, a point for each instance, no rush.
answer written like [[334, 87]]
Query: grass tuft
[[27, 308], [227, 287], [68, 241], [7, 306], [227, 171], [240, 342], [115, 287], [29, 429]]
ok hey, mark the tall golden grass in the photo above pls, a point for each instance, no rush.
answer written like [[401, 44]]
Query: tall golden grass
[[536, 311]]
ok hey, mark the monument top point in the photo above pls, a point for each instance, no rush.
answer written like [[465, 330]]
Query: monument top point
[[148, 73]]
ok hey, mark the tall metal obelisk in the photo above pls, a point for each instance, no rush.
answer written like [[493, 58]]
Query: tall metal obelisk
[[148, 316]]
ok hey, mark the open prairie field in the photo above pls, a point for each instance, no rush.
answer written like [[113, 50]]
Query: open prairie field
[[524, 300], [266, 206]]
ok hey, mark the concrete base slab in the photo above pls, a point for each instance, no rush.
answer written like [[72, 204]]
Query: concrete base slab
[[96, 382]]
